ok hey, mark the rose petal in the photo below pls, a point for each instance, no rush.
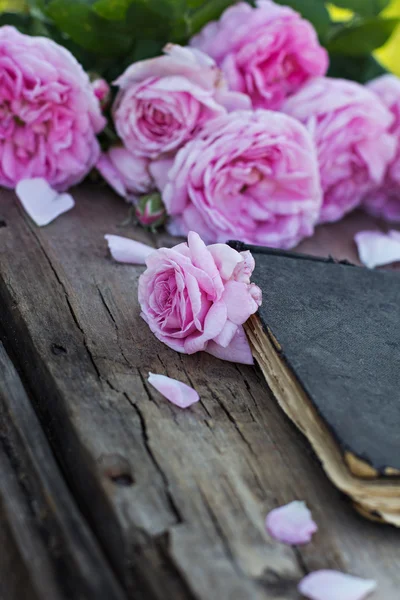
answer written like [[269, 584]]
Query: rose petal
[[202, 259], [124, 250], [226, 335], [226, 259], [159, 170], [175, 391], [238, 350], [41, 202], [213, 325], [333, 585], [233, 100], [376, 248], [239, 301], [244, 270], [291, 524]]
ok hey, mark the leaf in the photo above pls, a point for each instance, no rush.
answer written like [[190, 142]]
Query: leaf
[[145, 49], [356, 68], [86, 28], [362, 38], [365, 8], [314, 11], [152, 19], [208, 11], [19, 20], [194, 3], [114, 10]]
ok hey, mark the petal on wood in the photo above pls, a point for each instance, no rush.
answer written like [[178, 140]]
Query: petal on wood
[[291, 524], [129, 251], [237, 351], [41, 202], [376, 248], [333, 585], [178, 393]]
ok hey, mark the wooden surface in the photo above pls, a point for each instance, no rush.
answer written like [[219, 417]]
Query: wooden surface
[[159, 502]]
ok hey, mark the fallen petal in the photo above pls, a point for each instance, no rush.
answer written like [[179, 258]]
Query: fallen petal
[[333, 585], [41, 202], [128, 251], [238, 350], [175, 391], [291, 524], [376, 248]]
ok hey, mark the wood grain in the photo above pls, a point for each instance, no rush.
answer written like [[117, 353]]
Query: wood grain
[[176, 498], [47, 549]]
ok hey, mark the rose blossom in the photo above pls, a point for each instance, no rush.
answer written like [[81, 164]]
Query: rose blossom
[[249, 175], [126, 173], [350, 127], [49, 114], [196, 297], [267, 52], [385, 200], [163, 101]]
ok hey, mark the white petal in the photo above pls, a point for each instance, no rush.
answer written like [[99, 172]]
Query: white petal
[[178, 393], [333, 585], [129, 251], [376, 248], [41, 202], [291, 524]]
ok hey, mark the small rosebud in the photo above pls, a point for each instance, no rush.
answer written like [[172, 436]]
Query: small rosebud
[[150, 211], [102, 92]]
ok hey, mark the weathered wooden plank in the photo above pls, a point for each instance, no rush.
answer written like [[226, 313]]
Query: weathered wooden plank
[[47, 549], [177, 498]]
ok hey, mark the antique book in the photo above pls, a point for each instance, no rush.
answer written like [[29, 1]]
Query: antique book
[[327, 338]]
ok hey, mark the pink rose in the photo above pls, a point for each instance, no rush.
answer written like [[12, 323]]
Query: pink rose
[[267, 52], [196, 297], [249, 175], [126, 173], [49, 114], [350, 127], [164, 101], [385, 200]]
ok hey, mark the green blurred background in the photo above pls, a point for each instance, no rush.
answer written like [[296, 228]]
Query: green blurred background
[[362, 36]]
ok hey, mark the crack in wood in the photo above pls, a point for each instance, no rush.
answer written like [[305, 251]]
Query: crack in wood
[[147, 444], [220, 533], [232, 420], [109, 312]]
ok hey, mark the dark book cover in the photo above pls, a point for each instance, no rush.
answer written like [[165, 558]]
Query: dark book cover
[[337, 327]]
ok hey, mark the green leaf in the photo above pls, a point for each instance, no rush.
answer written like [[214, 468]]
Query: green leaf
[[357, 68], [314, 11], [77, 19], [208, 11], [365, 8], [145, 49], [362, 38], [193, 4], [19, 20], [114, 10], [152, 19]]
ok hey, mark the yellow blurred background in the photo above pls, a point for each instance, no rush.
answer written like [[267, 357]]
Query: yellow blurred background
[[12, 5], [388, 55]]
